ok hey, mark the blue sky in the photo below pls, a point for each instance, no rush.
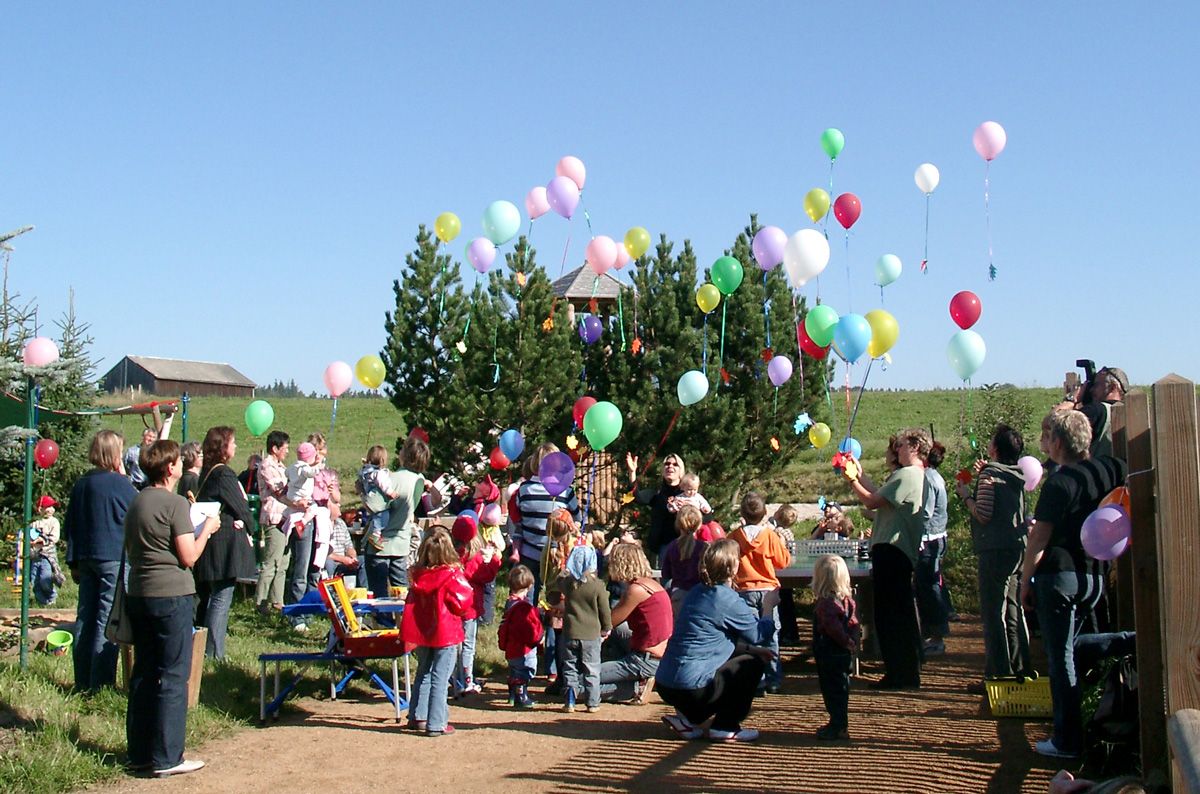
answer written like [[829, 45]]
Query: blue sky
[[201, 173]]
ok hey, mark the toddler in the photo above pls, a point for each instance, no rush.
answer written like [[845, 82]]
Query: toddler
[[789, 631], [491, 518], [480, 565], [301, 477], [836, 635], [587, 620], [762, 552], [520, 632], [690, 495], [375, 488], [46, 574], [681, 560]]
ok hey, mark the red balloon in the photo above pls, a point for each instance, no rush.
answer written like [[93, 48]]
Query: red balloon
[[498, 460], [846, 209], [45, 452], [581, 407], [965, 309], [809, 346]]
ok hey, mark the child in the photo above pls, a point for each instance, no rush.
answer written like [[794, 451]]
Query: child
[[836, 634], [690, 495], [561, 536], [784, 518], [587, 620], [375, 488], [438, 598], [301, 481], [491, 518], [830, 521], [46, 574], [681, 560], [520, 632], [480, 565], [762, 553]]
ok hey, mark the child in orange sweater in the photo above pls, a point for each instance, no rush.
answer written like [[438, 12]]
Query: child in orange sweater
[[756, 582]]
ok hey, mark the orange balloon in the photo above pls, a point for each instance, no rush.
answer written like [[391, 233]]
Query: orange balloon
[[1118, 496]]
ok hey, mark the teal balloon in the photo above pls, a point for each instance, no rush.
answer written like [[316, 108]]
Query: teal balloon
[[832, 141], [601, 424], [887, 269], [501, 222], [820, 322], [259, 417], [966, 353], [851, 337], [727, 274], [693, 386]]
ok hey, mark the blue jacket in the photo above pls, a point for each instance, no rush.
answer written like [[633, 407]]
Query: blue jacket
[[710, 622], [94, 526]]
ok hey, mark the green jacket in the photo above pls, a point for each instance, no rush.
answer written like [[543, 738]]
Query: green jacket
[[397, 535], [1006, 527]]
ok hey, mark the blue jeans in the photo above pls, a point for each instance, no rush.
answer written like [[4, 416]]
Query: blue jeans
[[489, 603], [617, 678], [931, 598], [580, 661], [95, 658], [215, 600], [300, 573], [1063, 599], [428, 705], [465, 673], [774, 673], [550, 660], [522, 669], [42, 574], [162, 641]]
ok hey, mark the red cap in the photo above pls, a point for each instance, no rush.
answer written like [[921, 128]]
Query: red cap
[[419, 432], [46, 501], [463, 530]]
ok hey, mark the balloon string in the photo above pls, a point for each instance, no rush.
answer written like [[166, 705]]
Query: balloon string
[[661, 441], [704, 360], [587, 500], [588, 218], [495, 361], [621, 318], [828, 394], [333, 418], [724, 306], [563, 266], [442, 302], [971, 419], [766, 311], [847, 388], [849, 300], [925, 261], [799, 347], [861, 389], [987, 215], [775, 410], [829, 209], [529, 231]]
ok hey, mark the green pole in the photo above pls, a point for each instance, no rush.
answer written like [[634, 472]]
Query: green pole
[[185, 400], [25, 550]]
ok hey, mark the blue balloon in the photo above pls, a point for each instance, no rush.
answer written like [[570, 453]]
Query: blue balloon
[[852, 446], [851, 336], [469, 512], [512, 444]]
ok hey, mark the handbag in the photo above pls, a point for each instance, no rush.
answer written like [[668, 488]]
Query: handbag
[[119, 628]]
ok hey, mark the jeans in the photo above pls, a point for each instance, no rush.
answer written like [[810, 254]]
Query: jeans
[[489, 603], [1005, 637], [580, 661], [1063, 599], [385, 572], [273, 574], [95, 658], [535, 567], [833, 673], [931, 599], [434, 666], [774, 673], [522, 668], [162, 641], [42, 574], [896, 615], [213, 611], [617, 678], [465, 673], [300, 573], [726, 698]]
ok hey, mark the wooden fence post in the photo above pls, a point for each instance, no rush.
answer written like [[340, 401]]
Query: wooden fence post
[[1177, 472], [1123, 593], [1143, 554]]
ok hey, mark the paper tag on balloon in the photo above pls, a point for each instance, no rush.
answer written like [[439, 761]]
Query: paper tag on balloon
[[635, 346], [725, 376], [462, 346], [572, 442], [774, 443], [626, 498], [548, 324], [767, 354], [520, 279]]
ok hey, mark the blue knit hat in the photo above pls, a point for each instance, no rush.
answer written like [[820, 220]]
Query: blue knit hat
[[582, 560]]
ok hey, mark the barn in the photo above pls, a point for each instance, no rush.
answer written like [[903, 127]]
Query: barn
[[171, 376]]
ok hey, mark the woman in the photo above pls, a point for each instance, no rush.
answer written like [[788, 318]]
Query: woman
[[895, 540], [388, 566], [711, 666], [662, 520], [94, 527], [193, 460], [997, 508], [1068, 583], [932, 597], [646, 608], [229, 555], [161, 547]]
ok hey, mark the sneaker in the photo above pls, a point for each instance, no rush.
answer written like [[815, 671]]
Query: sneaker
[[683, 729], [935, 648], [449, 729], [300, 628], [1046, 747], [416, 725], [569, 708], [828, 733], [592, 709], [472, 688], [182, 768], [740, 735]]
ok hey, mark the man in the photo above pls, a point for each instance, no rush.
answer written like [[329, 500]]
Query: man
[[272, 488], [132, 469], [1105, 390]]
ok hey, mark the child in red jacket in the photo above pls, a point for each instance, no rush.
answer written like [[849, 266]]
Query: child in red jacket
[[520, 632], [438, 598], [480, 565]]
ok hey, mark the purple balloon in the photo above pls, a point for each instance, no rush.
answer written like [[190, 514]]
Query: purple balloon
[[779, 369], [590, 329], [482, 253], [562, 194], [557, 472], [768, 246], [1106, 532]]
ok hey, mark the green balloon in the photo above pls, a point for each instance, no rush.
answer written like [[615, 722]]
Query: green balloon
[[727, 274], [601, 424], [259, 417], [819, 323], [832, 142]]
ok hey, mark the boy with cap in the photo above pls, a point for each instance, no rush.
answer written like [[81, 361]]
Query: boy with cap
[[46, 574]]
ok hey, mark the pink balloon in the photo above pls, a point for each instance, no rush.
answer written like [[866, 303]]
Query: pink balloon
[[622, 257], [482, 253], [990, 139], [602, 254], [572, 168], [338, 377], [536, 204], [562, 194], [1031, 469], [1106, 532], [39, 352]]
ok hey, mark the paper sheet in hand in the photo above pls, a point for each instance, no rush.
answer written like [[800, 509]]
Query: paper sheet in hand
[[200, 511]]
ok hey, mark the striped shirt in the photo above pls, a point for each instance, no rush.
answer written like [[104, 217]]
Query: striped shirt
[[536, 504]]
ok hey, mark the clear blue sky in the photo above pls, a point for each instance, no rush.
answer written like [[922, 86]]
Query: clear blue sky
[[198, 172]]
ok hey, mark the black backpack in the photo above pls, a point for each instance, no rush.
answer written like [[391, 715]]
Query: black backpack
[[1111, 734]]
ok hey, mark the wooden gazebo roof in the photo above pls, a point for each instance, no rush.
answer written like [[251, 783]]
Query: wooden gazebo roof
[[581, 285]]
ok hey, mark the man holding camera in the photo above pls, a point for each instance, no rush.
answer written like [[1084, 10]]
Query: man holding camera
[[1103, 389]]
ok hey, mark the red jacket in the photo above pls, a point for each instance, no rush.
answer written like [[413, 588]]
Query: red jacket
[[433, 612], [478, 573], [520, 630]]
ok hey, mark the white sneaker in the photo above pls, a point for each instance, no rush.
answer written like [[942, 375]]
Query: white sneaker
[[1046, 747], [300, 628], [182, 768], [742, 735], [681, 726]]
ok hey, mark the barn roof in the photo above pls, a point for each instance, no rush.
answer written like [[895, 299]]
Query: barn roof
[[192, 371], [581, 284]]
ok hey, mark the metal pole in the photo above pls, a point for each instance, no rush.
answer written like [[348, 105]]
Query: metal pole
[[25, 550], [185, 400]]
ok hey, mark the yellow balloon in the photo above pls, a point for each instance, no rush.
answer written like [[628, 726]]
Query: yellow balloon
[[637, 242], [884, 331], [819, 434], [447, 226], [708, 297], [370, 371], [816, 204]]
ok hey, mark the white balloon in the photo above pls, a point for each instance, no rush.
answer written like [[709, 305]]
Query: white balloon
[[805, 256], [887, 269], [927, 178]]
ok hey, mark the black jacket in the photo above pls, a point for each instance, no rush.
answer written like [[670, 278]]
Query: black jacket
[[229, 554]]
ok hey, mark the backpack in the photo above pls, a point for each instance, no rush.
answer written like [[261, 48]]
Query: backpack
[[1111, 734]]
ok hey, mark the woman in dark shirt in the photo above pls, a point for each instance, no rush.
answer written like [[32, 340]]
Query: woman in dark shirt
[[192, 456], [662, 520]]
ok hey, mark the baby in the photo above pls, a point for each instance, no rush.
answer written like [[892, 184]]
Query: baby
[[690, 485], [301, 476], [782, 523]]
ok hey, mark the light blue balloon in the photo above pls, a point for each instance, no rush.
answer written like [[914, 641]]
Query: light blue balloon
[[851, 336], [887, 269], [852, 446], [966, 353], [512, 443], [693, 385], [501, 222]]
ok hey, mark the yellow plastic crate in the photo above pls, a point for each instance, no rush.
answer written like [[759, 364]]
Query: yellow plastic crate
[[1028, 700]]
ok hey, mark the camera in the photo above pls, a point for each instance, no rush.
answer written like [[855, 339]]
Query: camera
[[1089, 371]]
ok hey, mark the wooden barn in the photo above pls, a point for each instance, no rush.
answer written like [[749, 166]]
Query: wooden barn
[[171, 376]]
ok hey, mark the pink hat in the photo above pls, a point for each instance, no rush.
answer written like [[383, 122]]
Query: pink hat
[[463, 530], [491, 515], [306, 452]]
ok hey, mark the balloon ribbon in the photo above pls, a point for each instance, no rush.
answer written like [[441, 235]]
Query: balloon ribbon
[[333, 417], [925, 261], [799, 347], [766, 311], [987, 214], [621, 318], [587, 499], [849, 292], [724, 306], [704, 359], [661, 441], [854, 416]]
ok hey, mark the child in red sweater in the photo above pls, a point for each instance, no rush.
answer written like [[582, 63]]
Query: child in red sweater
[[520, 633], [480, 565], [836, 635]]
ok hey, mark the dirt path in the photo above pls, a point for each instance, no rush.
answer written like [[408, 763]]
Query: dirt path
[[937, 739]]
